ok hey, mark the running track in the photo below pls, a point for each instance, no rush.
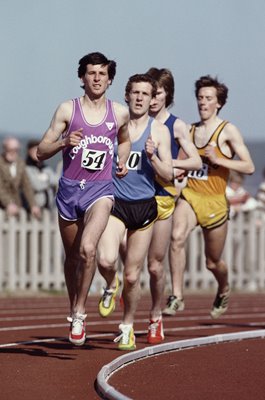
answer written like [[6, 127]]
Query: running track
[[38, 362]]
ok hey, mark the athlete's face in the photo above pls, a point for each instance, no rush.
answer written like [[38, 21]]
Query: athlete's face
[[207, 101], [159, 101], [139, 98], [96, 79]]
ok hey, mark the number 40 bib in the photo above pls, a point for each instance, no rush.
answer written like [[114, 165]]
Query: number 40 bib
[[201, 174]]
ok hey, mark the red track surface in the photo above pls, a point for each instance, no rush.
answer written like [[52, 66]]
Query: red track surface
[[38, 362]]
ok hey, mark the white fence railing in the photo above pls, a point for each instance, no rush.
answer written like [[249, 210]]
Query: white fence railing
[[31, 255]]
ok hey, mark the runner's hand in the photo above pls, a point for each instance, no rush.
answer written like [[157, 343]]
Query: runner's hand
[[121, 170], [211, 153], [74, 138], [150, 147]]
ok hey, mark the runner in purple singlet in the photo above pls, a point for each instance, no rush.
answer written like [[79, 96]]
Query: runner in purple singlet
[[85, 129]]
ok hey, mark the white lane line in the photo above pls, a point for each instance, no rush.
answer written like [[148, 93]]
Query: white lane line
[[105, 334], [111, 322], [205, 310], [60, 339], [30, 327], [32, 310], [20, 314], [31, 318]]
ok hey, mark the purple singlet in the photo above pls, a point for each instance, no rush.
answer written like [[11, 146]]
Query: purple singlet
[[92, 159], [87, 168]]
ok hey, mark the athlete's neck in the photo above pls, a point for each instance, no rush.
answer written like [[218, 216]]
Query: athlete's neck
[[138, 125], [94, 110], [93, 101], [210, 122]]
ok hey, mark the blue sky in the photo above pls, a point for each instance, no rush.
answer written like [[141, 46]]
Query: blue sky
[[42, 41]]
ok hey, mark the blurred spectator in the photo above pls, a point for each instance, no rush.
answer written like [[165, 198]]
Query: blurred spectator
[[43, 178], [261, 193], [237, 196], [15, 186]]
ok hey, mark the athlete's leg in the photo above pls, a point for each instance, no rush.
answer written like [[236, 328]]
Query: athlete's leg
[[123, 248], [71, 233], [137, 247], [184, 220], [95, 221], [214, 244], [156, 254], [108, 250]]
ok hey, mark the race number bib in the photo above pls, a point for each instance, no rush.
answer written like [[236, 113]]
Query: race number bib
[[201, 174], [93, 159], [134, 161]]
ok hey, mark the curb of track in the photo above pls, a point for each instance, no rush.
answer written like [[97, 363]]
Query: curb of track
[[106, 391]]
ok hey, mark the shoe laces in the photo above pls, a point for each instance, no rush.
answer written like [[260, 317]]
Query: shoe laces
[[107, 296], [153, 327], [124, 335], [77, 319], [221, 300], [170, 300]]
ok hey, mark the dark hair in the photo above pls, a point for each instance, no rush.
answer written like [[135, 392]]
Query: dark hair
[[140, 78], [95, 59], [164, 78], [208, 81]]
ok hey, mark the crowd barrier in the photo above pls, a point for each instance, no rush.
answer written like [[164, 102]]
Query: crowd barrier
[[31, 255]]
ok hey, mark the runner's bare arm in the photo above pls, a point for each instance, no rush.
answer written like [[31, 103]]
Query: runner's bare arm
[[190, 160], [231, 137], [160, 140], [52, 142], [124, 143]]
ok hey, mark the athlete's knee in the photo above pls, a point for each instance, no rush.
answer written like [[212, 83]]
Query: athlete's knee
[[106, 263], [215, 264], [178, 239], [88, 251], [131, 278], [210, 265], [156, 268]]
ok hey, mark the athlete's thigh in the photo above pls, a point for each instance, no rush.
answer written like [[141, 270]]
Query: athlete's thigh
[[109, 242], [96, 219], [137, 246], [184, 219], [214, 240], [71, 232], [160, 238]]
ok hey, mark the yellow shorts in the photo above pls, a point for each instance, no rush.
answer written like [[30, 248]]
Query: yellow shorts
[[211, 211], [165, 206]]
